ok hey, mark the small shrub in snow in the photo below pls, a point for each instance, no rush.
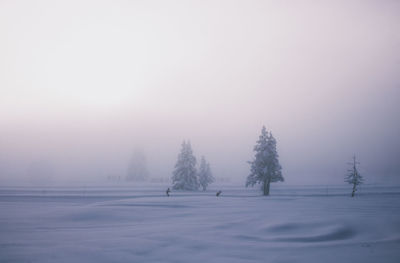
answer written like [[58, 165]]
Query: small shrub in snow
[[354, 177]]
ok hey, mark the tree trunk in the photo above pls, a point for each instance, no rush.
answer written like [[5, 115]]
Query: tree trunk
[[266, 187], [354, 190]]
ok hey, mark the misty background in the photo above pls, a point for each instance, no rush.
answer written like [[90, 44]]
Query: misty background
[[85, 83]]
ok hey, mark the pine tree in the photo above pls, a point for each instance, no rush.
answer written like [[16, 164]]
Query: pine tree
[[205, 175], [137, 169], [265, 167], [354, 177], [185, 174]]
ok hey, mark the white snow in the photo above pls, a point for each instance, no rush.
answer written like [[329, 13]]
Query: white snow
[[141, 224]]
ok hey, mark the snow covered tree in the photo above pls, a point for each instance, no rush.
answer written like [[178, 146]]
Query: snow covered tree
[[354, 177], [205, 175], [265, 167], [185, 174], [137, 169]]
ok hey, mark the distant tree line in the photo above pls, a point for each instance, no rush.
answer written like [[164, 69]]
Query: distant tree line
[[264, 168]]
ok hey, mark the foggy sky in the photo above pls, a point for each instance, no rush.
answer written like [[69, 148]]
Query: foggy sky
[[84, 83]]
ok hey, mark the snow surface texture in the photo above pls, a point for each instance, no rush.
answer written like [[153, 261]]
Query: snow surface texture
[[141, 224]]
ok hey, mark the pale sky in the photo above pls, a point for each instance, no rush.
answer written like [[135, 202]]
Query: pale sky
[[84, 83]]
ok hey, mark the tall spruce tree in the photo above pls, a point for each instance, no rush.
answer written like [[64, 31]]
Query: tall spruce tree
[[205, 175], [185, 174], [265, 167], [354, 177]]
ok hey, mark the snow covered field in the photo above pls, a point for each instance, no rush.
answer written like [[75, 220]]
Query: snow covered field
[[141, 224]]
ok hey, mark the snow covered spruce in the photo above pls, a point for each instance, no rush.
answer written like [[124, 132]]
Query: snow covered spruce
[[265, 167], [354, 177], [185, 175], [205, 175]]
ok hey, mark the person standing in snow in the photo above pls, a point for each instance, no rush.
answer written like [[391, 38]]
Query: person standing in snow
[[168, 191]]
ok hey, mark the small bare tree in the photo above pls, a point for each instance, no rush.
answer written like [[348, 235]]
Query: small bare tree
[[354, 177]]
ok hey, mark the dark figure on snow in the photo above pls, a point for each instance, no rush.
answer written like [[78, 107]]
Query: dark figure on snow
[[168, 191], [218, 193]]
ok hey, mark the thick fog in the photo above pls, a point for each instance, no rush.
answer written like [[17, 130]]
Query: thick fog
[[85, 84]]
